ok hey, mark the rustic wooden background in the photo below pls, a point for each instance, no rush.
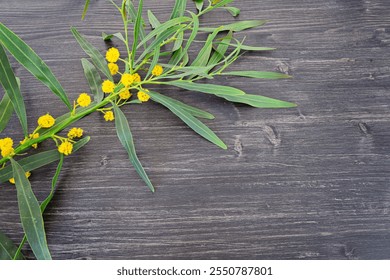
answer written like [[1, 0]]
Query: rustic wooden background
[[304, 183]]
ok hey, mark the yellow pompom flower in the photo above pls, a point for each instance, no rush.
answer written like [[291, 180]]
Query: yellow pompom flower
[[7, 151], [157, 70], [112, 55], [114, 68], [12, 180], [125, 95], [143, 96], [127, 79], [109, 116], [136, 78], [65, 148], [84, 100], [75, 132], [108, 86], [46, 121], [6, 142], [34, 136]]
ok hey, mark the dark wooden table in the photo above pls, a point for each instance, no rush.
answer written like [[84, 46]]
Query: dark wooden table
[[304, 183]]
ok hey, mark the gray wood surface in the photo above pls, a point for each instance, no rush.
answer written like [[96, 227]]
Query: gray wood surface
[[304, 183]]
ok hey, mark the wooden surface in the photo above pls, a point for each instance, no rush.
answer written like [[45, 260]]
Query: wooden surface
[[304, 183]]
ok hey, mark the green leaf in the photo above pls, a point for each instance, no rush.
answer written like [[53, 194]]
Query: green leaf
[[237, 26], [137, 27], [222, 48], [10, 85], [94, 80], [179, 9], [126, 138], [179, 41], [196, 112], [93, 53], [199, 4], [7, 248], [133, 16], [162, 28], [204, 54], [38, 160], [257, 75], [30, 214], [259, 101], [85, 9], [207, 88], [189, 119], [32, 62], [221, 3], [233, 11], [6, 110], [190, 71], [154, 22], [154, 62]]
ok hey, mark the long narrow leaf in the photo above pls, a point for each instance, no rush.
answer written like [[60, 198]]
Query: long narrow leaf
[[237, 26], [154, 62], [93, 53], [10, 85], [85, 9], [204, 54], [38, 160], [179, 8], [133, 16], [7, 248], [94, 79], [137, 28], [259, 101], [126, 138], [154, 22], [257, 75], [30, 214], [32, 62], [196, 112], [190, 120], [222, 48], [6, 110], [207, 88]]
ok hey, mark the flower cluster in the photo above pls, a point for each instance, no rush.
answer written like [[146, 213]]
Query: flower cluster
[[6, 147]]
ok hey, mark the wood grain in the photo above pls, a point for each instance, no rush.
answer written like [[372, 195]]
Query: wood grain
[[304, 183]]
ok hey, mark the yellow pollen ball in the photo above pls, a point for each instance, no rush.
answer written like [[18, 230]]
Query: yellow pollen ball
[[108, 86], [114, 68], [7, 151], [6, 142], [46, 121], [112, 55], [12, 180], [109, 116], [125, 95], [127, 79], [136, 78], [143, 96], [157, 70], [84, 100], [75, 132], [65, 148]]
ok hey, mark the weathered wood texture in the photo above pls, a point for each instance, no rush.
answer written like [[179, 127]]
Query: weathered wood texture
[[305, 183]]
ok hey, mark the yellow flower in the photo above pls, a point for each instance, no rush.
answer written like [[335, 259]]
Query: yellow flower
[[125, 95], [143, 96], [7, 151], [114, 68], [127, 79], [12, 180], [109, 116], [136, 78], [6, 142], [34, 136], [108, 86], [84, 100], [157, 70], [46, 121], [65, 148], [112, 55], [75, 133]]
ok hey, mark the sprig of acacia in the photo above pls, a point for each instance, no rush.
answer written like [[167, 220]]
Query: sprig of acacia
[[158, 55]]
